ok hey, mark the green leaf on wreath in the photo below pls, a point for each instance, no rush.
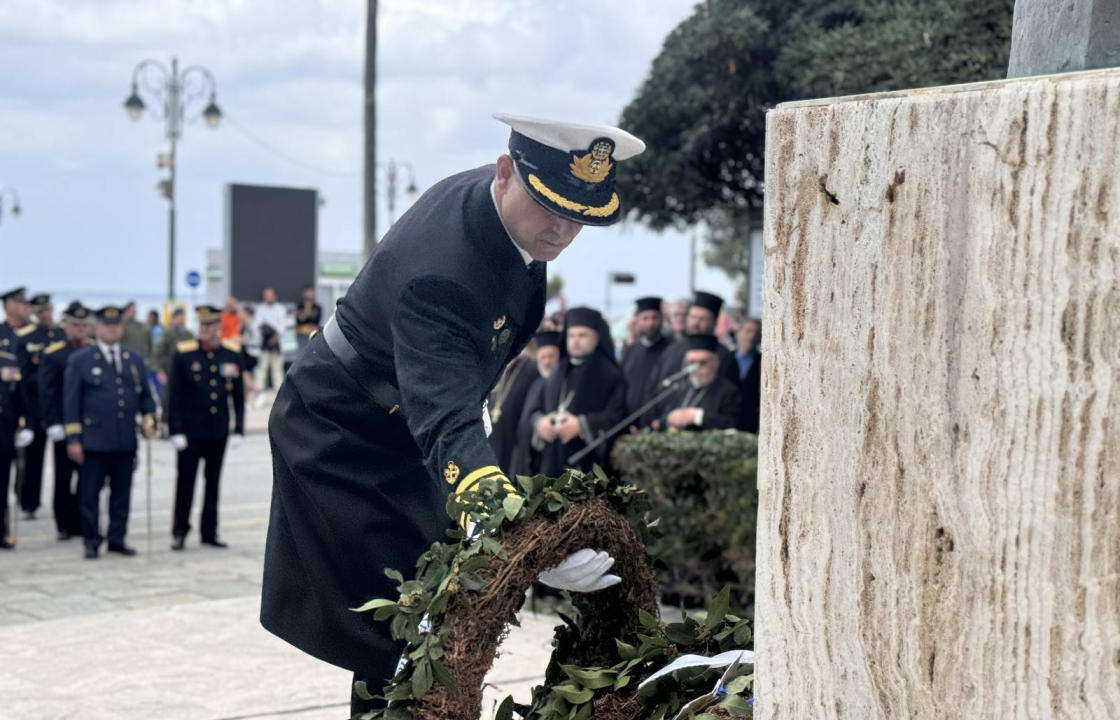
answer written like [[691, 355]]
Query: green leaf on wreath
[[374, 604]]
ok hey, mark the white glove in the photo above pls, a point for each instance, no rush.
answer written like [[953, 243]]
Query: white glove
[[486, 424], [24, 437], [235, 441], [56, 433], [179, 442], [582, 571]]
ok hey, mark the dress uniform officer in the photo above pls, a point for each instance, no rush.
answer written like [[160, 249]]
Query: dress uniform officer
[[380, 417], [75, 324], [12, 437], [204, 380], [105, 387], [36, 337]]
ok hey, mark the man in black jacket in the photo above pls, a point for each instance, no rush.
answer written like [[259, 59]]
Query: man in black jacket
[[707, 400], [204, 385], [640, 361], [379, 419], [67, 510]]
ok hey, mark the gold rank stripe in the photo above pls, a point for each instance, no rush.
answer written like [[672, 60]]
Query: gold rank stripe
[[479, 475], [557, 198], [73, 428]]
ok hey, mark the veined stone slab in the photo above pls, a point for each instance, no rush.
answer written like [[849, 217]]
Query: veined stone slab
[[939, 472]]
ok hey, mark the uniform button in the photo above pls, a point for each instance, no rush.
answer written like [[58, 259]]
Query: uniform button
[[118, 381], [121, 403], [213, 411], [120, 415], [213, 383], [213, 396], [213, 368], [210, 355]]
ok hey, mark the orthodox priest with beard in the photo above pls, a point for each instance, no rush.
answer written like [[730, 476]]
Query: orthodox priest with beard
[[584, 397], [708, 401], [640, 361]]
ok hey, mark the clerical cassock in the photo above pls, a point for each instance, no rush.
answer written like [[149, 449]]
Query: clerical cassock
[[583, 398], [506, 402], [640, 361]]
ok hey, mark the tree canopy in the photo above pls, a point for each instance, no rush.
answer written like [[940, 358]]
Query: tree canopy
[[702, 109]]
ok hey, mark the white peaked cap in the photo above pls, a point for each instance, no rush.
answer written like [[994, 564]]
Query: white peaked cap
[[572, 136]]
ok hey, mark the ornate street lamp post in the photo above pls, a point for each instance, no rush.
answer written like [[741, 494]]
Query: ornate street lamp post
[[173, 91]]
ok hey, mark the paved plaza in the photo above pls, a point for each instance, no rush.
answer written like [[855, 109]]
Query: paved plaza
[[175, 634]]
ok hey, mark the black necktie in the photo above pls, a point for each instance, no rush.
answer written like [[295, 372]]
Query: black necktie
[[114, 359]]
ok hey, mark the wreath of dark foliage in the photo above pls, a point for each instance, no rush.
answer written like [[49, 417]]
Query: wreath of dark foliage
[[471, 586]]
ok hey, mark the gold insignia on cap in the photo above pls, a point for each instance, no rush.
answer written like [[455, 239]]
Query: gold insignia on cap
[[111, 313], [594, 166], [451, 473], [500, 323]]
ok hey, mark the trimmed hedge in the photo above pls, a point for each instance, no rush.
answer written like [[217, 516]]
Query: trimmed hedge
[[703, 487]]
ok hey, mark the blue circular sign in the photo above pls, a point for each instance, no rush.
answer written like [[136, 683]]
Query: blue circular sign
[[193, 278]]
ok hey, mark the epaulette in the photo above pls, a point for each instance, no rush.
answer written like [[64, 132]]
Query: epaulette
[[231, 344], [25, 330], [187, 346], [54, 347]]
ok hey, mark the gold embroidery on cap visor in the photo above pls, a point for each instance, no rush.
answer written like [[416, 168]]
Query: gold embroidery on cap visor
[[557, 199]]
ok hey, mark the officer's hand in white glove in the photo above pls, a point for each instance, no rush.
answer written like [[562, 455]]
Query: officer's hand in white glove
[[235, 441], [179, 442], [24, 437], [56, 433], [582, 571]]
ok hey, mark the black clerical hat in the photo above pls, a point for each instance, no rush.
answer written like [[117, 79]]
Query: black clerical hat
[[648, 303], [708, 301]]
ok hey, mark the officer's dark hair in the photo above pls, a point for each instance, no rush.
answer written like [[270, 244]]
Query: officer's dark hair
[[177, 311]]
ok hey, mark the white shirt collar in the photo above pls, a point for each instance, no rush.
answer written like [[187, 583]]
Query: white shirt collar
[[106, 349], [524, 255]]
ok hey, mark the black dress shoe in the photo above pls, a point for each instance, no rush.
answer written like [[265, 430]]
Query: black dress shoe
[[177, 542], [215, 542], [91, 552], [122, 550], [6, 544], [64, 535], [28, 514]]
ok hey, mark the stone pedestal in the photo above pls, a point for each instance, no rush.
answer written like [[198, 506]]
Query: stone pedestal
[[939, 471]]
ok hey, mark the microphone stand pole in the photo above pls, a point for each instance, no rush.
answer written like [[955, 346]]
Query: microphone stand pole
[[605, 436]]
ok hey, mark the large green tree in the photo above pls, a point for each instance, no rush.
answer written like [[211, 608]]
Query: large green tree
[[702, 109]]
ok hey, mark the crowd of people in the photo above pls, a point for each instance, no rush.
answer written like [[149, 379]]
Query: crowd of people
[[568, 395], [92, 383]]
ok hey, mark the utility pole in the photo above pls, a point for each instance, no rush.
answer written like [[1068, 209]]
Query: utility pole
[[369, 187]]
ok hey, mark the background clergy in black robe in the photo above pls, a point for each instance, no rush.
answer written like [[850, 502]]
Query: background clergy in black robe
[[640, 361], [700, 320], [507, 400], [550, 349], [591, 378], [707, 401]]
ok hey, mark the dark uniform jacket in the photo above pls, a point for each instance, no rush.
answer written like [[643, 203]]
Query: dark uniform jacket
[[11, 342], [35, 341], [359, 485], [11, 407], [598, 398], [720, 401], [99, 406], [506, 403], [200, 388], [52, 369]]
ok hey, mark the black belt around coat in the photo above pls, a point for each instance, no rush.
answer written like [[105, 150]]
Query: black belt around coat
[[384, 394]]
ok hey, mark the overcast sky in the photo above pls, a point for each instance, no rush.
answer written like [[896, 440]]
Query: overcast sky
[[289, 77]]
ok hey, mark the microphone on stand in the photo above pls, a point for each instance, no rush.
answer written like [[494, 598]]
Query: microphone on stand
[[680, 375]]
